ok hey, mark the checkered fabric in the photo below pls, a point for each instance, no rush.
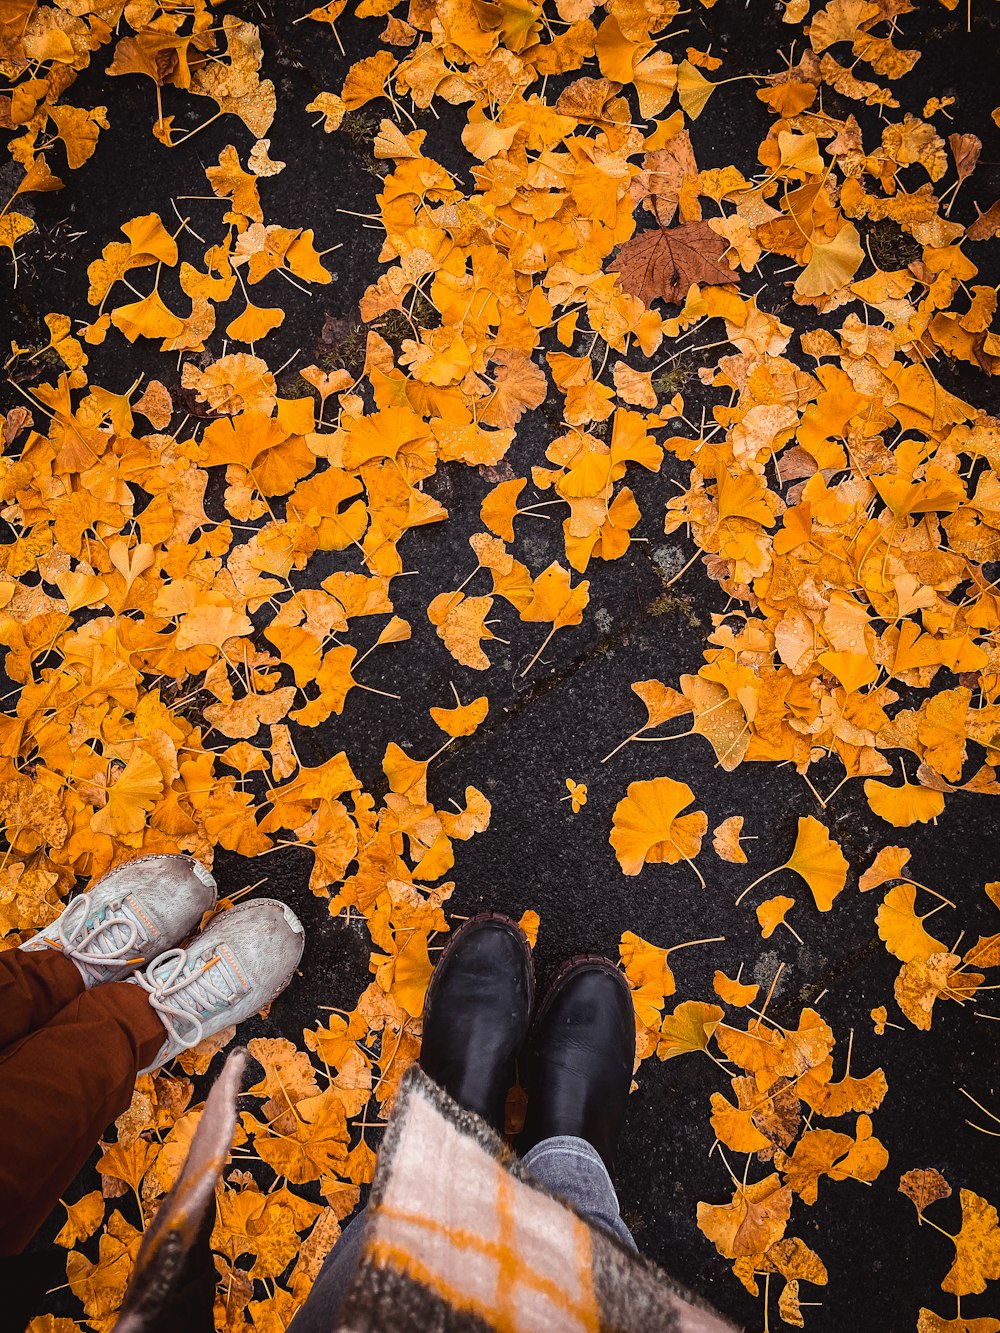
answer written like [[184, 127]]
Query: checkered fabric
[[518, 1259], [459, 1237]]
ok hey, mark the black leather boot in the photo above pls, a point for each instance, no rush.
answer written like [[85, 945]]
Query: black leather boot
[[477, 1014], [579, 1058]]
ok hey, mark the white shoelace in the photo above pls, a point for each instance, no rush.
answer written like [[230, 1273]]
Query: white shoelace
[[182, 998], [112, 941]]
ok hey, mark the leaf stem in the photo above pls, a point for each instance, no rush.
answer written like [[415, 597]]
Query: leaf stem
[[760, 879]]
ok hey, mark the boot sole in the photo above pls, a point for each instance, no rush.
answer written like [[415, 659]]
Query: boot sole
[[500, 919]]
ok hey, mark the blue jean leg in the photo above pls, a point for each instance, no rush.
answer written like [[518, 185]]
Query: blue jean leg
[[568, 1167], [317, 1312], [572, 1169]]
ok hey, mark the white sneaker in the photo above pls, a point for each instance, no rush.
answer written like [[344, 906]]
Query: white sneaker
[[241, 960], [130, 916]]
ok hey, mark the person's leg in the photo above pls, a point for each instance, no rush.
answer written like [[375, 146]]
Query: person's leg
[[60, 1087], [571, 1169], [33, 988], [567, 1167], [579, 1058], [578, 1071], [326, 1296], [477, 1012]]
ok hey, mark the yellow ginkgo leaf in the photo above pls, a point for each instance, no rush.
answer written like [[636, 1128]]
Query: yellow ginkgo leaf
[[82, 1219], [726, 840], [693, 89], [49, 44], [499, 507], [148, 318], [211, 622], [853, 670], [817, 858], [689, 1028], [662, 702], [905, 805], [647, 825], [648, 974], [730, 991], [901, 928], [460, 622], [149, 237], [977, 1248], [365, 80], [555, 599], [463, 719], [12, 227], [771, 914], [734, 1125], [81, 589], [888, 864], [130, 797], [752, 1222], [655, 78], [923, 981], [406, 972], [820, 862], [485, 138], [256, 322], [331, 108], [800, 152], [833, 263]]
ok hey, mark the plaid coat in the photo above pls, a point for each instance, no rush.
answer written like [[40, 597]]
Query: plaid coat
[[495, 1251], [459, 1239]]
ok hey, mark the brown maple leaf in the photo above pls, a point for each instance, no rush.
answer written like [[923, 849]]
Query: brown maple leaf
[[665, 262]]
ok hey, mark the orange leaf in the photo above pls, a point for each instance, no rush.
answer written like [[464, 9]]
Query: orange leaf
[[647, 825]]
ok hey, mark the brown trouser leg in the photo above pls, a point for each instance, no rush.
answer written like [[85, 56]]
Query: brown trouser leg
[[33, 988], [68, 1061]]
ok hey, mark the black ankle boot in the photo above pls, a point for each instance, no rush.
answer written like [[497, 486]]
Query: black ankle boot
[[579, 1058], [477, 1013]]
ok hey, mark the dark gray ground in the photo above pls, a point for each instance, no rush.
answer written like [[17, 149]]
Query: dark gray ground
[[575, 704]]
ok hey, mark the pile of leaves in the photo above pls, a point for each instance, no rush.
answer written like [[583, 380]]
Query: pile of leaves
[[977, 1247], [780, 1079], [166, 650]]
